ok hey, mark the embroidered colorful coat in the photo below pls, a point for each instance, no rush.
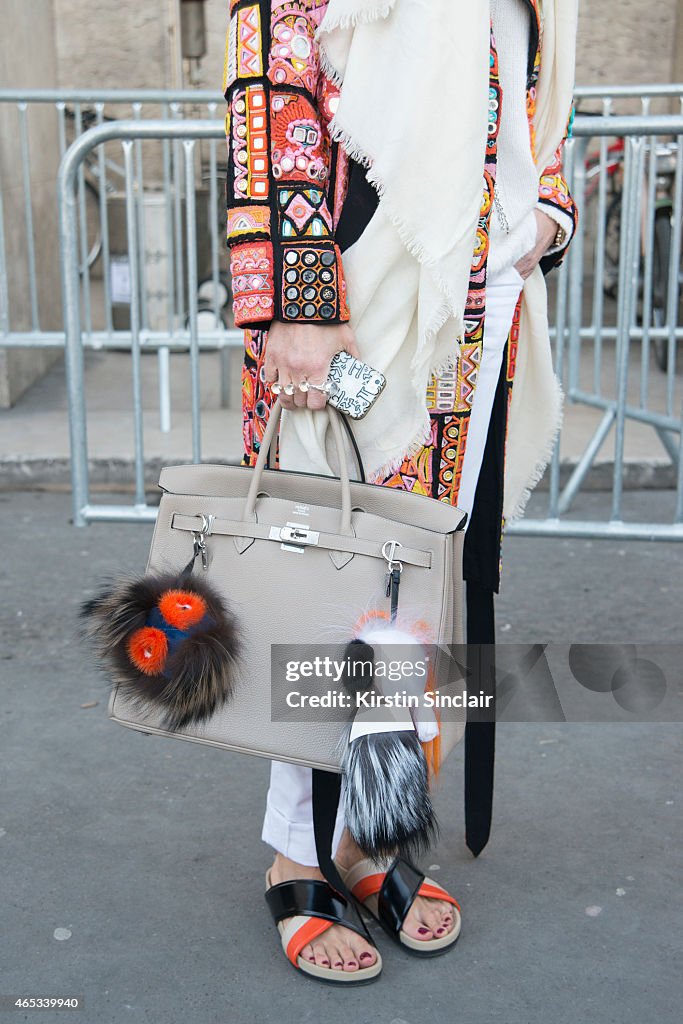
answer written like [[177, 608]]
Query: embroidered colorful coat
[[286, 187]]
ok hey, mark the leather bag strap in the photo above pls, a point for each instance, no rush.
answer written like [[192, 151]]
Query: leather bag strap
[[356, 449], [266, 443], [480, 736], [326, 794], [331, 541], [354, 444]]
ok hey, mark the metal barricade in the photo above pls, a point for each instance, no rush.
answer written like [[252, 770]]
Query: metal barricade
[[102, 182], [633, 331], [618, 336], [75, 111], [625, 100], [190, 132]]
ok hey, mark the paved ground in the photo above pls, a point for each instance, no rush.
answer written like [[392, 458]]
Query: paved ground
[[34, 445], [133, 869]]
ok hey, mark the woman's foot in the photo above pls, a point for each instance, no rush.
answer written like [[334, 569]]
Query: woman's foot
[[427, 918], [339, 948]]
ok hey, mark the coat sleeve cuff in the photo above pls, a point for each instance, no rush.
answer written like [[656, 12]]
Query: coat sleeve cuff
[[313, 288], [563, 219]]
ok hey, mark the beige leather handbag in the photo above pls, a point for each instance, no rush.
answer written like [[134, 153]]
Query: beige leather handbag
[[298, 557]]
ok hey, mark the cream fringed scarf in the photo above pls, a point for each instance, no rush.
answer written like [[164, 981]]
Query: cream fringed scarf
[[413, 108]]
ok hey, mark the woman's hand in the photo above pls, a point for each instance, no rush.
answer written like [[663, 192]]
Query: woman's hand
[[547, 229], [300, 350]]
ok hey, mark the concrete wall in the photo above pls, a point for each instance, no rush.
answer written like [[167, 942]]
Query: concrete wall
[[28, 60], [123, 42], [626, 41], [111, 44], [678, 46]]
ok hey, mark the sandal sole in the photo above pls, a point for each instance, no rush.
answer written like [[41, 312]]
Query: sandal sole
[[349, 979]]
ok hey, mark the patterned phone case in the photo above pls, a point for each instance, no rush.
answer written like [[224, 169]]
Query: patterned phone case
[[352, 386]]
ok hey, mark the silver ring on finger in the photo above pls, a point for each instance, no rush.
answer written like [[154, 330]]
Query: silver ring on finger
[[276, 387], [289, 388]]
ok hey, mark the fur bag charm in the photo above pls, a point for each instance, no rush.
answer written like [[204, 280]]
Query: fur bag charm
[[387, 803], [168, 641]]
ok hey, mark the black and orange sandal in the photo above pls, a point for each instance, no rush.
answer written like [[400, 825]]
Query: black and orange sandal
[[305, 908], [387, 891]]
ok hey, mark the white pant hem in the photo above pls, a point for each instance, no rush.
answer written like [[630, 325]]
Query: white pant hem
[[290, 789]]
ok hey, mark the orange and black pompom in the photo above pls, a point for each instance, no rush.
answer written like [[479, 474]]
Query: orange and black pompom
[[148, 650], [182, 608], [168, 641]]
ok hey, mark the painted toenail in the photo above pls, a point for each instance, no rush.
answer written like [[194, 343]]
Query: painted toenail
[[440, 931], [423, 931], [366, 956]]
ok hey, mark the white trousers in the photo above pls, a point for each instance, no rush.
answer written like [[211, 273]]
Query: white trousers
[[288, 822]]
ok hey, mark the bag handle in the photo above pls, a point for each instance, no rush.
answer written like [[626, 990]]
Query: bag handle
[[354, 444], [267, 441]]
